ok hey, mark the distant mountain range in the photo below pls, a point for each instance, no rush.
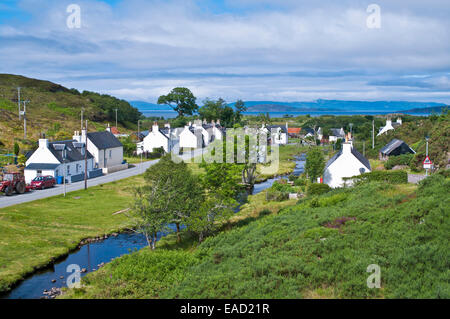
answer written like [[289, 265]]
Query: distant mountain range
[[319, 106]]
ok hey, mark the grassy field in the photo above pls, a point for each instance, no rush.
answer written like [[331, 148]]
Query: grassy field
[[319, 248], [35, 233]]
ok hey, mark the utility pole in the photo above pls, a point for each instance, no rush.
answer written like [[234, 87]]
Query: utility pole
[[25, 119], [116, 118], [364, 148], [426, 138], [139, 128], [82, 110], [18, 100], [85, 158], [373, 133], [65, 168]]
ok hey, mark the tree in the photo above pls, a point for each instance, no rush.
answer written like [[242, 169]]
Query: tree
[[181, 100], [220, 178], [16, 149], [315, 163], [240, 108], [211, 215], [217, 110], [181, 190], [149, 212]]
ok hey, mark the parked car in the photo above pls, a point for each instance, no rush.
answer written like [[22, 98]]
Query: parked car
[[42, 182]]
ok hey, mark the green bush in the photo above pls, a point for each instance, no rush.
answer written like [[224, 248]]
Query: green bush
[[276, 196], [390, 177], [404, 159], [318, 189], [300, 182], [282, 187]]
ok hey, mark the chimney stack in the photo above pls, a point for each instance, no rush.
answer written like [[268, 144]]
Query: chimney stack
[[43, 143]]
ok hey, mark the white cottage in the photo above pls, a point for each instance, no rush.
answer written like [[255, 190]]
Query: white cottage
[[61, 158], [390, 126], [346, 163], [106, 149], [157, 138], [191, 137], [278, 134], [336, 134]]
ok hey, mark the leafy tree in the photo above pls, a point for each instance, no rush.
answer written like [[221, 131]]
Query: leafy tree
[[213, 110], [149, 212], [240, 108], [16, 149], [181, 190], [211, 215], [220, 178], [315, 163], [181, 100]]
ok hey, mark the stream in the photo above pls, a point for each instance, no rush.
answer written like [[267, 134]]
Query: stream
[[93, 255]]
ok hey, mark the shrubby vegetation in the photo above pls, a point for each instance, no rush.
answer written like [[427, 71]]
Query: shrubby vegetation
[[389, 177], [319, 248], [404, 159]]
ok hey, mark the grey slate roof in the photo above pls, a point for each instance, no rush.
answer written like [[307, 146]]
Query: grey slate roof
[[308, 130], [282, 127], [337, 132], [104, 140], [355, 153], [361, 158], [73, 153], [396, 147], [41, 166]]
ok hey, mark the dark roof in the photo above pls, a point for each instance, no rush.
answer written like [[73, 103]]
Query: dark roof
[[41, 166], [71, 149], [104, 140], [308, 130], [396, 147], [361, 158], [355, 153], [282, 127], [337, 132]]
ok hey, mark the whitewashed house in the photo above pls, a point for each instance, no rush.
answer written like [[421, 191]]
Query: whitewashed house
[[336, 134], [390, 126], [61, 158], [346, 163], [157, 138], [278, 134], [191, 137], [106, 149]]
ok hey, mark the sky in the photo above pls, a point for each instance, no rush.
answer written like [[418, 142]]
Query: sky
[[278, 50]]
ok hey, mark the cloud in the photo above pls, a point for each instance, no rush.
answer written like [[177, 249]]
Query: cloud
[[286, 50]]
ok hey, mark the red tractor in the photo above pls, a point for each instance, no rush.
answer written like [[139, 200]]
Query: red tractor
[[13, 182]]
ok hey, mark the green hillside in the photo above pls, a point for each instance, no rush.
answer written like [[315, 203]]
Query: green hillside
[[319, 248], [55, 110]]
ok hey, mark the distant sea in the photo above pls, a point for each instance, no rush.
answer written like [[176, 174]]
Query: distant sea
[[315, 108]]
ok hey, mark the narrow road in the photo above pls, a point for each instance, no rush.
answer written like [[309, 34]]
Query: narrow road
[[15, 199]]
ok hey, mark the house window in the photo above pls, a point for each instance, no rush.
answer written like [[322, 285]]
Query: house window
[[68, 169], [39, 172], [77, 167], [110, 154]]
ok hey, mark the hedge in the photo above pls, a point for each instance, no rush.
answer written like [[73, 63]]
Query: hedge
[[390, 177]]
